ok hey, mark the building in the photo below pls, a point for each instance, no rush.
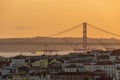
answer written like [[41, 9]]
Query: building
[[72, 76], [70, 68], [17, 61], [43, 63], [115, 55], [107, 66], [118, 74], [103, 58]]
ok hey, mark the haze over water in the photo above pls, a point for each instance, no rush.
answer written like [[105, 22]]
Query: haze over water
[[11, 54]]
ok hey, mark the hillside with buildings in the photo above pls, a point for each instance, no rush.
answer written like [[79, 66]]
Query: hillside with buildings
[[95, 65]]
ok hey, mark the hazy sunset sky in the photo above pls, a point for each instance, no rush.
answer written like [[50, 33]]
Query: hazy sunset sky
[[30, 18]]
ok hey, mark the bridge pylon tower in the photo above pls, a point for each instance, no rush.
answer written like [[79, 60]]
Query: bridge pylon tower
[[84, 37]]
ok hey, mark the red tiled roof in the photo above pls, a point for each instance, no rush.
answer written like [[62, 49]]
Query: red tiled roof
[[99, 71], [105, 63], [117, 62], [118, 68], [103, 57], [80, 61], [4, 63], [116, 52], [87, 64], [71, 66], [75, 73]]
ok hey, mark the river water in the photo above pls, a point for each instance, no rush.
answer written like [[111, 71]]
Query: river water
[[11, 54]]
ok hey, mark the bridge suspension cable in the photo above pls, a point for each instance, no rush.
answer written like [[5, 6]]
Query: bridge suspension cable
[[101, 43], [64, 31], [67, 30], [79, 25], [69, 43], [105, 31]]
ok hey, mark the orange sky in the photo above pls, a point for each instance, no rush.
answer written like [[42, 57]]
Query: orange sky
[[28, 18]]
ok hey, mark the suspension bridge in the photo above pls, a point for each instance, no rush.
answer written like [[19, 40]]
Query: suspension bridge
[[85, 31], [85, 36]]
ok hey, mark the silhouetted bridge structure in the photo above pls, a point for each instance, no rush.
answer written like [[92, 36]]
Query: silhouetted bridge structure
[[85, 43]]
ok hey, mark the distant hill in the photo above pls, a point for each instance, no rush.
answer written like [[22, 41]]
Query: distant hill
[[40, 43], [56, 40]]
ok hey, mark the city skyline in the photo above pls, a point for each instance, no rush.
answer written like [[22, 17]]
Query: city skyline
[[28, 18]]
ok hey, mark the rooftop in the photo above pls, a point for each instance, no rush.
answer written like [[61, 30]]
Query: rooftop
[[116, 52], [104, 63]]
